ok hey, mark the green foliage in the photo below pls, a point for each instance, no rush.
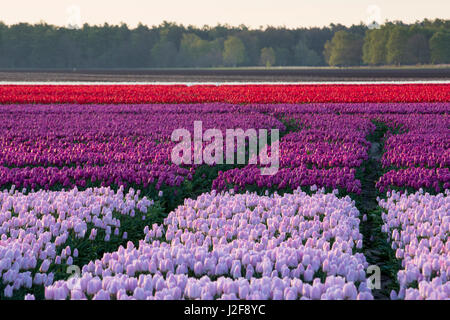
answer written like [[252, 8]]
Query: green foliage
[[171, 45], [440, 47], [164, 54], [374, 48], [396, 46], [417, 49], [283, 57], [376, 247], [327, 51], [345, 49], [197, 52], [233, 52], [267, 57], [304, 56], [401, 44]]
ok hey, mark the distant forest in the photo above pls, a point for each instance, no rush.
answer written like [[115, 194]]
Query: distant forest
[[171, 45]]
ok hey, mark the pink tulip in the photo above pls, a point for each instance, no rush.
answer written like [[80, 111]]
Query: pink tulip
[[102, 295]]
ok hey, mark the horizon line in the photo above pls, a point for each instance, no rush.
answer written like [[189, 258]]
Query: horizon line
[[226, 25]]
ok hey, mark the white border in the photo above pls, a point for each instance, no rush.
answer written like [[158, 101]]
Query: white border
[[101, 83]]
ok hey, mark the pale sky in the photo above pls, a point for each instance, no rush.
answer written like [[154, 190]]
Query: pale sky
[[253, 13]]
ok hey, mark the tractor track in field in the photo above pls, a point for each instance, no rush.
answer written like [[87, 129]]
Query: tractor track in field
[[376, 248]]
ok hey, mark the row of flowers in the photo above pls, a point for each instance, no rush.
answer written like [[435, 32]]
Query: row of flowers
[[244, 246], [44, 232], [415, 178], [60, 135], [418, 227], [54, 146], [419, 156], [424, 141], [325, 151], [334, 135], [75, 145], [114, 94], [288, 178]]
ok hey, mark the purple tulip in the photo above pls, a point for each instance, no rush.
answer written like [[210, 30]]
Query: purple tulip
[[29, 297]]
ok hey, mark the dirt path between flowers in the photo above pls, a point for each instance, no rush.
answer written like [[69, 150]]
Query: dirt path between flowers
[[375, 246]]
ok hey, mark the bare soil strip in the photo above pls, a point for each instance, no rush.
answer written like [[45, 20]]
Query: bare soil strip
[[230, 75]]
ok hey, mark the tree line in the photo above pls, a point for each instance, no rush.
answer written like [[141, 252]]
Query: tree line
[[172, 45]]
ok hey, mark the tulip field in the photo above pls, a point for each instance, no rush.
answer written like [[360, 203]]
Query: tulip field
[[93, 207]]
